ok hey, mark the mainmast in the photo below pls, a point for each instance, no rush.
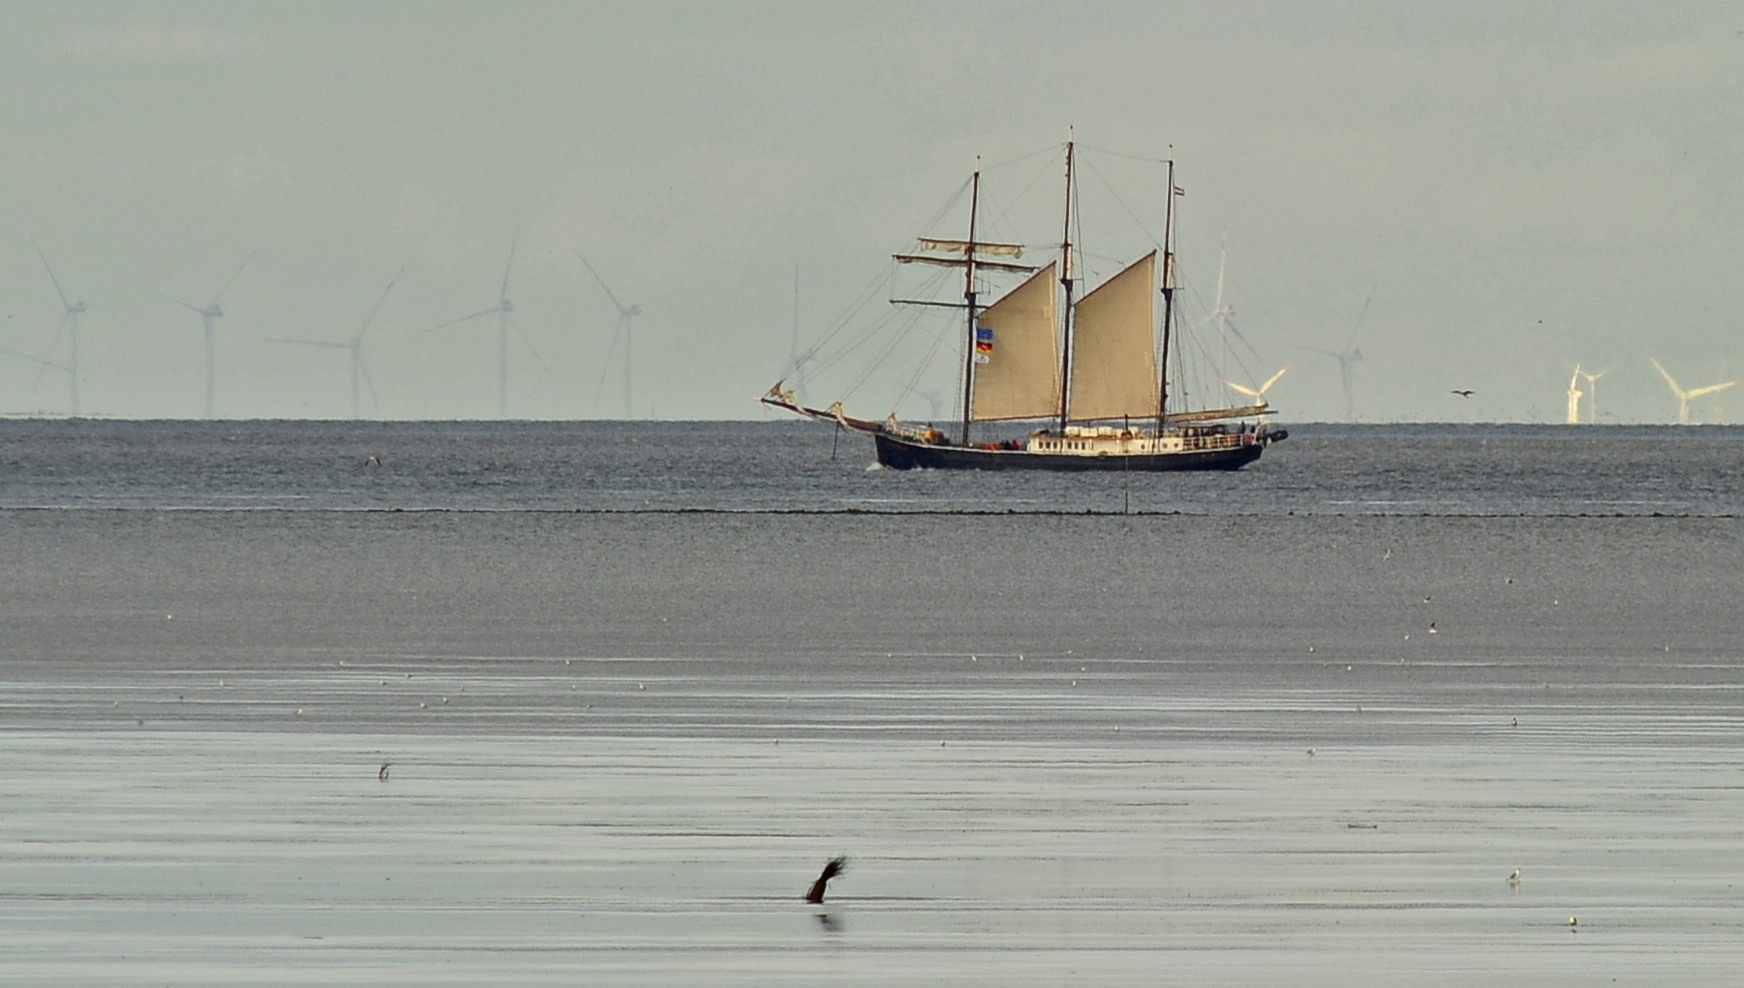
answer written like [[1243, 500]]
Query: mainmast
[[1168, 293], [969, 297], [1066, 281]]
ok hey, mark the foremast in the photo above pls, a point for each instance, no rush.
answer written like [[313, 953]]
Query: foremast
[[969, 302]]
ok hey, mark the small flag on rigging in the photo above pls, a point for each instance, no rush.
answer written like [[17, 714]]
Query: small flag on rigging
[[984, 339], [1180, 191]]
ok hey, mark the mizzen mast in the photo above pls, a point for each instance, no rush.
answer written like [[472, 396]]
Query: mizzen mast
[[1168, 293], [1066, 282]]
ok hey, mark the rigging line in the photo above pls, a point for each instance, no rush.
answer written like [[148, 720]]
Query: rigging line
[[1123, 205], [920, 372], [843, 319], [1121, 154], [1046, 167], [1056, 148], [871, 333], [955, 197], [868, 372], [890, 316]]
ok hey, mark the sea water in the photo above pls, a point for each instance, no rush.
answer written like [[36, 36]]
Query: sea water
[[634, 684]]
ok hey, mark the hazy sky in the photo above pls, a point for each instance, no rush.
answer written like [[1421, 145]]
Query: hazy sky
[[1528, 185]]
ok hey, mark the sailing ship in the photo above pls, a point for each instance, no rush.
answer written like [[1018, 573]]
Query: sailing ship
[[1091, 372]]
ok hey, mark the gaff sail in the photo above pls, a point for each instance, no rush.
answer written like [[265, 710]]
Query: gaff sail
[[1114, 368], [1017, 373]]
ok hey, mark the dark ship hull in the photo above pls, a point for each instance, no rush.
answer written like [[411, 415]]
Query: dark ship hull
[[903, 454]]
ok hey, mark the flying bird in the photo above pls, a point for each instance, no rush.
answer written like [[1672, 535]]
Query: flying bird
[[383, 774], [815, 894], [1464, 392]]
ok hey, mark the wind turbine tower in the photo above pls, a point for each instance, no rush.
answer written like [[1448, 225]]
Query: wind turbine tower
[[1348, 357], [208, 314], [1574, 397], [795, 362], [70, 312], [1593, 392], [1684, 397], [358, 368], [501, 310], [1221, 314], [626, 330]]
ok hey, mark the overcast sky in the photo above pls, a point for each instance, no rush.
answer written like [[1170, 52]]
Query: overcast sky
[[1523, 185]]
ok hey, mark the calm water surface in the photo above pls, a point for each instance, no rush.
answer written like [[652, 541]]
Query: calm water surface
[[1058, 748]]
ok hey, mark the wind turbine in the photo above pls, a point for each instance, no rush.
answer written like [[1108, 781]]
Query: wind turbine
[[70, 312], [209, 312], [1259, 394], [1220, 313], [626, 327], [1593, 391], [358, 368], [795, 362], [1348, 356], [1574, 397], [1684, 397], [502, 310]]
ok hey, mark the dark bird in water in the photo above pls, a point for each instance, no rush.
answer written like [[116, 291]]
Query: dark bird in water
[[383, 774], [815, 894], [1464, 392]]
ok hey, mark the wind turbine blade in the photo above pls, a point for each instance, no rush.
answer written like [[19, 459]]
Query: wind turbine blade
[[325, 344], [1251, 393], [535, 351], [454, 322], [21, 355], [51, 276], [1574, 377], [1710, 389], [1272, 380], [509, 266], [233, 277], [602, 284], [190, 307], [1328, 353], [1222, 255], [1668, 378], [1359, 317], [358, 340], [1230, 322]]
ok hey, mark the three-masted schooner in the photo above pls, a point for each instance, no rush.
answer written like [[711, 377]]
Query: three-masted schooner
[[1092, 369]]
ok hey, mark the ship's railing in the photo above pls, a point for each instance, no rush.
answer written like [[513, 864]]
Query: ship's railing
[[1224, 440]]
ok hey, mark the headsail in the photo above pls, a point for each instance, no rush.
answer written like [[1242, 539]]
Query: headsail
[[1114, 368], [1017, 374]]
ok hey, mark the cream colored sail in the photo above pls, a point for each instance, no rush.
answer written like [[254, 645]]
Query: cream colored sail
[[1114, 367], [1017, 373]]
